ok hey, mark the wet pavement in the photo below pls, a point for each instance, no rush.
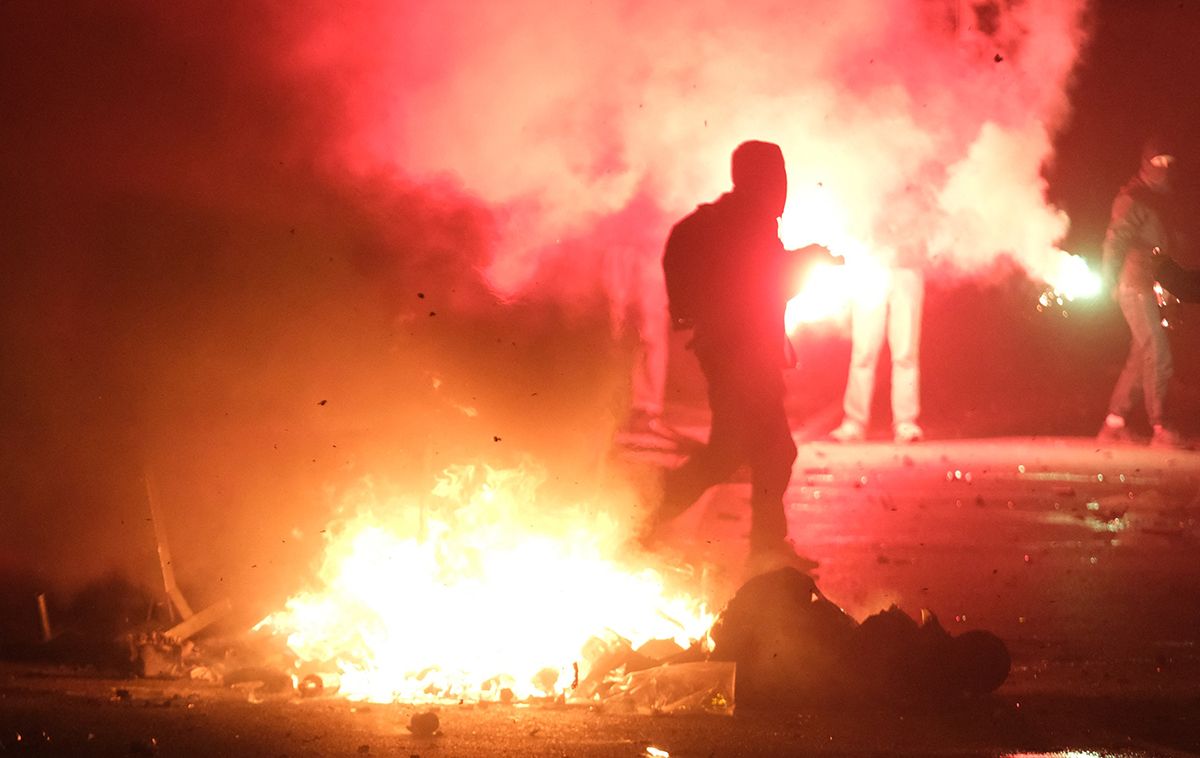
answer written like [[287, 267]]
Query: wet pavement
[[1083, 560]]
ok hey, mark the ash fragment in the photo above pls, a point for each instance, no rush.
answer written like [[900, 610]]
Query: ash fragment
[[424, 724]]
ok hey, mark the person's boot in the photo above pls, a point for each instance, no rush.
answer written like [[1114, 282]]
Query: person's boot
[[1166, 437], [764, 559]]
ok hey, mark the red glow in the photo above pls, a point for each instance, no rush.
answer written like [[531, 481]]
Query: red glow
[[565, 119]]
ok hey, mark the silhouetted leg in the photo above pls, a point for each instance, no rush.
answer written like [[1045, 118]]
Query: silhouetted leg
[[771, 453], [720, 457]]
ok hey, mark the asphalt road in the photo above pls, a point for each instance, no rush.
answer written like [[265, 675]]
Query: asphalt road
[[1083, 560]]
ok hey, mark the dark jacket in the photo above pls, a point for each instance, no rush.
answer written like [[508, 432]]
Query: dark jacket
[[1139, 224], [739, 279]]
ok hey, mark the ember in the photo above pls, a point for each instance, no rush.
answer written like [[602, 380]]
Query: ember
[[474, 591]]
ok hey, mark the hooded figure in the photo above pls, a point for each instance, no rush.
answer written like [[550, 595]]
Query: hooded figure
[[728, 279], [1139, 230]]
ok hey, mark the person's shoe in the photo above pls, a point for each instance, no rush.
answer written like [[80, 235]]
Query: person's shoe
[[765, 559], [848, 431], [1114, 431], [907, 433], [1165, 437]]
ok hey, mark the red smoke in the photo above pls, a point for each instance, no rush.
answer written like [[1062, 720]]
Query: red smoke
[[910, 123], [223, 216]]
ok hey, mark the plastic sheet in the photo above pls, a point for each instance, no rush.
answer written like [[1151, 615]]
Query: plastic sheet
[[701, 687]]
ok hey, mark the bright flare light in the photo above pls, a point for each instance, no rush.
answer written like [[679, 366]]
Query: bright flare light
[[1070, 278], [824, 296], [829, 292], [475, 589], [815, 214]]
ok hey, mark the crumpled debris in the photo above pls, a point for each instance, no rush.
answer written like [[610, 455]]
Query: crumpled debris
[[157, 656], [700, 687], [204, 674], [257, 681], [793, 646]]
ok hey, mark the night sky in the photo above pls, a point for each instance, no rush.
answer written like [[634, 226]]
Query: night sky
[[203, 281]]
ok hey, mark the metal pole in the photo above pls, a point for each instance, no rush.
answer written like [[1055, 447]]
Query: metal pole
[[44, 617]]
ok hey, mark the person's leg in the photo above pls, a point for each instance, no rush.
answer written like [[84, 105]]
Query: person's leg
[[1156, 361], [772, 454], [653, 327], [867, 321], [904, 339], [1129, 383], [716, 461]]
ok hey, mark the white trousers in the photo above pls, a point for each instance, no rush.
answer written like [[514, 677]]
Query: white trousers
[[638, 297], [892, 311]]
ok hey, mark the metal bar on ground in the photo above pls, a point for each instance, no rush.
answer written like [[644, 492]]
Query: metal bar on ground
[[44, 617], [178, 602], [198, 621]]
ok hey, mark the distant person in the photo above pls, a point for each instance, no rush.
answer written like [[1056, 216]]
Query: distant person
[[890, 310], [887, 306], [727, 278], [635, 280], [1141, 224]]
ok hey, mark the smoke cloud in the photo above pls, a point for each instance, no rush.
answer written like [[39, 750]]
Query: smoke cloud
[[910, 124], [263, 250]]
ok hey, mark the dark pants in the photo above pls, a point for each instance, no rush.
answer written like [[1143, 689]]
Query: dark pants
[[1148, 368], [749, 426]]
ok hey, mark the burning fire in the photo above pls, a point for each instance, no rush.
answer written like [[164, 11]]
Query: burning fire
[[477, 592]]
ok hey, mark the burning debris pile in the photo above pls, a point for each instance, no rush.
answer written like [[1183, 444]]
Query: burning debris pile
[[479, 592]]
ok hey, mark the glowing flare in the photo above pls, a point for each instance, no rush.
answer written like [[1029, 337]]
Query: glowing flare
[[824, 296], [1071, 278], [829, 292], [474, 590]]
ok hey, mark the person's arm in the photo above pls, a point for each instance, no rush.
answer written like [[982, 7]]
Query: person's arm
[[804, 258], [799, 263]]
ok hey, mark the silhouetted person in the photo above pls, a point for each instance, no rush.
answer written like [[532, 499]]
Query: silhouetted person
[[1140, 226], [727, 279]]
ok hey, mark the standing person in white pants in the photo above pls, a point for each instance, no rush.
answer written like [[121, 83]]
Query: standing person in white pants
[[888, 305]]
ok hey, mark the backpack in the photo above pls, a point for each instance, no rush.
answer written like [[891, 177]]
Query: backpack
[[687, 266]]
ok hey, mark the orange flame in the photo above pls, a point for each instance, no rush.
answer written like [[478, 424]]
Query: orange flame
[[475, 589]]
